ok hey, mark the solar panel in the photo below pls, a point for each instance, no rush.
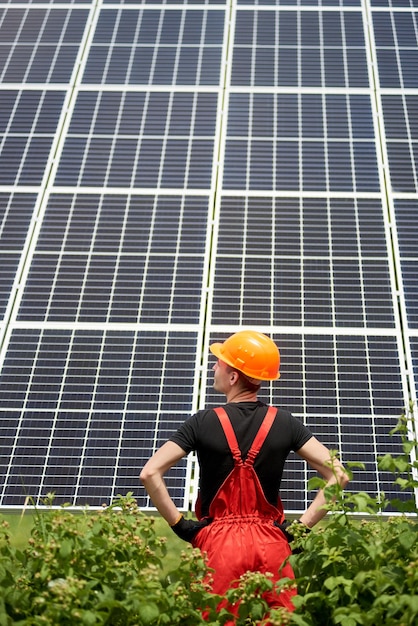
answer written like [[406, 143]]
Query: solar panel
[[174, 149], [111, 258], [334, 273], [64, 394], [173, 172]]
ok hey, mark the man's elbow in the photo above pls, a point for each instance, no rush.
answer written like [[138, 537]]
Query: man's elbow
[[146, 475]]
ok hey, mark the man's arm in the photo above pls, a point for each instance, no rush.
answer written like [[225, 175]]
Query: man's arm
[[318, 457], [152, 477]]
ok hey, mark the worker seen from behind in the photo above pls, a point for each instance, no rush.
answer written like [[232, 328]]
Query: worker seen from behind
[[241, 449]]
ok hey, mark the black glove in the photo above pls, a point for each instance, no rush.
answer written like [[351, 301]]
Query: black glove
[[284, 527], [186, 529]]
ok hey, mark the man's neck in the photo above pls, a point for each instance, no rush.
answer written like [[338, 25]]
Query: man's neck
[[241, 396]]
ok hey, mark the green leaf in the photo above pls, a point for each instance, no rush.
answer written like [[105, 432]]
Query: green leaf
[[316, 483], [386, 463], [403, 483], [411, 602], [355, 464], [346, 620], [405, 506], [348, 615], [88, 618], [338, 581], [363, 502], [148, 613], [299, 620], [407, 539], [66, 548]]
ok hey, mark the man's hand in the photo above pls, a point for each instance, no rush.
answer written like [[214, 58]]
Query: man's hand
[[186, 529]]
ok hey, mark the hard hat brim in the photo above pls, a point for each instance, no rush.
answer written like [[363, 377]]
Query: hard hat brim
[[216, 349]]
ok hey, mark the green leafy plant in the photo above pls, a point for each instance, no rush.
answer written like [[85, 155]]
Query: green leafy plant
[[354, 571], [98, 568]]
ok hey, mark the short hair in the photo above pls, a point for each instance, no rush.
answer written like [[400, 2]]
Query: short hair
[[250, 384]]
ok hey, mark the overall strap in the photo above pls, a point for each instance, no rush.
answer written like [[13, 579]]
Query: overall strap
[[229, 433], [258, 440], [261, 435]]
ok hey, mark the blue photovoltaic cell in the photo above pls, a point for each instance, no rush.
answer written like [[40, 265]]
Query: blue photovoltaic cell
[[401, 129], [410, 286], [16, 210], [30, 112], [403, 165], [49, 2], [394, 3], [39, 45], [397, 48], [407, 233], [400, 116], [267, 44], [161, 289], [9, 264], [279, 142], [156, 47], [407, 227], [302, 293], [145, 140], [303, 3], [23, 160], [118, 223], [167, 2], [28, 120], [414, 350]]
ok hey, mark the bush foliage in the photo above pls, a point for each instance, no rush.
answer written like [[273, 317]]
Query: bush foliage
[[107, 567], [364, 571]]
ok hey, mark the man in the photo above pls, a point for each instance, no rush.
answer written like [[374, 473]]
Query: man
[[241, 449]]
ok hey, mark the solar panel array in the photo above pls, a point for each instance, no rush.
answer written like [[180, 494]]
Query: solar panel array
[[171, 172]]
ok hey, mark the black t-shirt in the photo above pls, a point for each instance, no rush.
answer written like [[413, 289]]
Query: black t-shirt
[[203, 433]]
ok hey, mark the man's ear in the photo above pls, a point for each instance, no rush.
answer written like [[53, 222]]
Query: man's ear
[[233, 377]]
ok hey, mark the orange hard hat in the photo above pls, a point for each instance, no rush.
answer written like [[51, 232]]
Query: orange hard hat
[[251, 353]]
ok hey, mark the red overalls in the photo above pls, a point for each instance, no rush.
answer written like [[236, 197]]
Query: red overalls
[[242, 536]]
